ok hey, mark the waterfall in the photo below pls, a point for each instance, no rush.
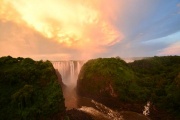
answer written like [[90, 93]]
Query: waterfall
[[69, 70], [78, 66], [101, 112], [146, 109]]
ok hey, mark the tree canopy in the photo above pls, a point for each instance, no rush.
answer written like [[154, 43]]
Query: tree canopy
[[155, 79], [29, 89]]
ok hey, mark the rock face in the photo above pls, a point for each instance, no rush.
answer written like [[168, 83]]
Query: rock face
[[107, 77], [75, 114]]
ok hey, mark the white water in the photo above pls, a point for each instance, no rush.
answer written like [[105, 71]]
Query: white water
[[69, 71], [146, 109], [102, 112]]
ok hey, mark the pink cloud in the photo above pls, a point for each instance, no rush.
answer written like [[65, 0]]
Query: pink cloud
[[173, 49]]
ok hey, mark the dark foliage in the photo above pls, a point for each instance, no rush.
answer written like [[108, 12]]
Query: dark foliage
[[161, 75], [110, 77], [28, 89], [155, 79]]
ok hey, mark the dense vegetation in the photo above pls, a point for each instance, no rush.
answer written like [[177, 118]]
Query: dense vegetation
[[110, 77], [29, 89], [161, 75], [155, 79]]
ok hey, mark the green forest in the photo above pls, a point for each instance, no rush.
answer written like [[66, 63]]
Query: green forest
[[161, 77], [154, 79], [29, 89]]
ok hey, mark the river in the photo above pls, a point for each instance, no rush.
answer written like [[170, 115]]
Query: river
[[69, 71], [97, 110]]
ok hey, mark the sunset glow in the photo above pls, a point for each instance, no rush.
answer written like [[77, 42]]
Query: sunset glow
[[73, 24], [83, 29]]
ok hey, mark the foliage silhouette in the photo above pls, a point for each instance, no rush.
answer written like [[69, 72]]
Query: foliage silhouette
[[29, 89]]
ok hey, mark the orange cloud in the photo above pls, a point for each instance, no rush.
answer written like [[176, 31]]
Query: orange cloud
[[82, 25], [8, 13]]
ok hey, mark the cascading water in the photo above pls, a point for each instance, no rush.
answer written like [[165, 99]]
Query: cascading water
[[146, 109], [101, 112], [69, 71]]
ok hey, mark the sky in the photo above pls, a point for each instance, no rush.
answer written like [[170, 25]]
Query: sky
[[84, 29]]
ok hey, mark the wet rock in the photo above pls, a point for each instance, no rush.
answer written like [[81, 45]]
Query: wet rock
[[75, 114]]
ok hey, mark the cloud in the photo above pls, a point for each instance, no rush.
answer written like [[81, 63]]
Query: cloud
[[152, 19], [173, 49], [85, 26], [178, 5], [84, 29], [52, 57], [18, 40]]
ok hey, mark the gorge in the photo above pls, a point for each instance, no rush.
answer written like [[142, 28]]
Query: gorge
[[98, 89], [69, 71], [129, 88]]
